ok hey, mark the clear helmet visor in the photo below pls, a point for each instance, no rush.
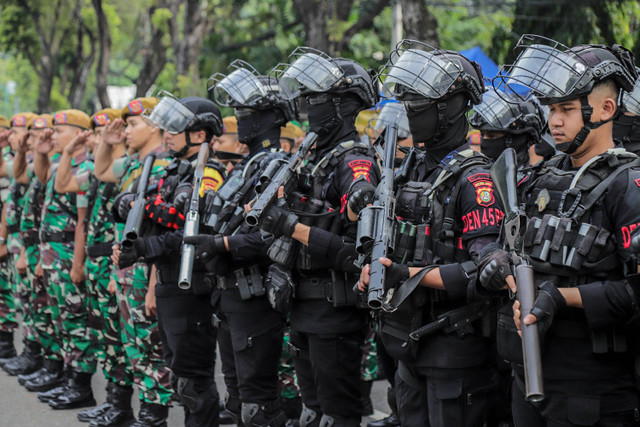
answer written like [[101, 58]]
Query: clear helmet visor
[[312, 71], [549, 72], [423, 72], [631, 100], [170, 115], [241, 87], [495, 111], [393, 112]]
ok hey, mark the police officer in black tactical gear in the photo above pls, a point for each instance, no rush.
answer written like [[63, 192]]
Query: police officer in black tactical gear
[[626, 128], [327, 327], [184, 315], [581, 207], [447, 213], [504, 122], [236, 252]]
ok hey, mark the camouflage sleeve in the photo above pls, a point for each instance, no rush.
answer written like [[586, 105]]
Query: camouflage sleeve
[[9, 164], [119, 167], [85, 171]]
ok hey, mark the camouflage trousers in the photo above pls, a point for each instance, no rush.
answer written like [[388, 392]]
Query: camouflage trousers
[[7, 303], [44, 330], [104, 323], [70, 316], [369, 365], [141, 338], [287, 380], [23, 293]]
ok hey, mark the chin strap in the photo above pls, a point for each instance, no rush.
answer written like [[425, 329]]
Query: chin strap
[[587, 111]]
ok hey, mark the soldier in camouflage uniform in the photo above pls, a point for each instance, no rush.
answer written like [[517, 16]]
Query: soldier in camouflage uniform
[[50, 375], [104, 316], [62, 258], [136, 284], [8, 322]]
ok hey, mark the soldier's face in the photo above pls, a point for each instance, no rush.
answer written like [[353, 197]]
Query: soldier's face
[[227, 142], [174, 142], [16, 135], [62, 135], [137, 133]]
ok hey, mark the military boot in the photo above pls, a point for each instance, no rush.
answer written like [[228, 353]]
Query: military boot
[[365, 398], [23, 378], [77, 395], [121, 413], [7, 349], [89, 415], [152, 415], [46, 396], [52, 377], [30, 361], [226, 417], [269, 414], [392, 420]]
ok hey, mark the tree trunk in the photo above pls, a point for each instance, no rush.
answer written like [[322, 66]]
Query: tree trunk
[[45, 75], [154, 57], [314, 14], [104, 43], [419, 23]]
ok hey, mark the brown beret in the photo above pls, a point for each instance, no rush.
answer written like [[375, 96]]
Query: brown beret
[[138, 106], [21, 120], [230, 124], [72, 118], [43, 121], [102, 117], [291, 131], [4, 123]]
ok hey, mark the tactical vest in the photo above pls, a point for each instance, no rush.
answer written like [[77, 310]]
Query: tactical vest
[[566, 237], [425, 236]]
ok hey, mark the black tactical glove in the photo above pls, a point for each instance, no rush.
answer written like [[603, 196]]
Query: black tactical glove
[[493, 267], [130, 255], [124, 204], [361, 193], [181, 196], [548, 301], [278, 220], [396, 275], [207, 248]]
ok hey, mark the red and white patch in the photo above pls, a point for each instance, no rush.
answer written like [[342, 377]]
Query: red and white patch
[[101, 119], [19, 121], [484, 189], [60, 119], [361, 168], [135, 107], [40, 123]]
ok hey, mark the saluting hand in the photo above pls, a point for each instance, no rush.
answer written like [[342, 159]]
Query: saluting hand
[[114, 132], [4, 138], [44, 144], [77, 142]]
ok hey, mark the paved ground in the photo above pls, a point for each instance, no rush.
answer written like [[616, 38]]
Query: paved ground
[[18, 407]]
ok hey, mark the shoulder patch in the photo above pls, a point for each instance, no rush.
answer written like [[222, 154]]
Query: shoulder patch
[[360, 168], [637, 181], [211, 180], [484, 189]]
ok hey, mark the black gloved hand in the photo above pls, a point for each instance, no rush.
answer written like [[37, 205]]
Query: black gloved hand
[[124, 205], [361, 193], [130, 255], [278, 220], [207, 248], [493, 267], [396, 275], [182, 194], [548, 301]]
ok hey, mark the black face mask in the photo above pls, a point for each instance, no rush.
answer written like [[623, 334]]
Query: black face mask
[[492, 148], [333, 119], [626, 129], [259, 129]]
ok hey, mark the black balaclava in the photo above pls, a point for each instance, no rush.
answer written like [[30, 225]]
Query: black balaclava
[[259, 129], [440, 128], [492, 148], [626, 129], [334, 120]]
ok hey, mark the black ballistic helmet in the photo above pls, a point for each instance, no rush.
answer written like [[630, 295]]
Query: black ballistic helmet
[[187, 114], [244, 87], [313, 71]]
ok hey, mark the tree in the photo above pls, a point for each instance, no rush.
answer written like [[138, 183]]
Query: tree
[[104, 56], [418, 23]]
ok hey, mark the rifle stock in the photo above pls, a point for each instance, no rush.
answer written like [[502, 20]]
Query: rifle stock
[[383, 211], [286, 172], [136, 215], [192, 221], [503, 174]]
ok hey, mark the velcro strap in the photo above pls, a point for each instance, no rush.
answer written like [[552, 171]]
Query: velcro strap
[[99, 249], [57, 236]]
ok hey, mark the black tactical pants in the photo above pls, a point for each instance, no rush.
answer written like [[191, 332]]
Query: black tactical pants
[[256, 332], [189, 344], [328, 370], [444, 397], [573, 403]]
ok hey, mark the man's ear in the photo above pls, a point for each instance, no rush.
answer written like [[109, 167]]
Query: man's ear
[[198, 137], [609, 107]]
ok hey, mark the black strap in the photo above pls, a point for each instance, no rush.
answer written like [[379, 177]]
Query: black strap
[[397, 296]]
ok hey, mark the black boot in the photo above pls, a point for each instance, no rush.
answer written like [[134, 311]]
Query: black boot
[[292, 407], [77, 395], [392, 420], [52, 377], [121, 413], [152, 415], [226, 417], [7, 349], [89, 415], [23, 378], [30, 362], [264, 414], [365, 398], [46, 396]]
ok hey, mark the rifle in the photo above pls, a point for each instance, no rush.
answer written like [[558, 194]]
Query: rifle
[[382, 217], [503, 173], [285, 174], [134, 219], [192, 221]]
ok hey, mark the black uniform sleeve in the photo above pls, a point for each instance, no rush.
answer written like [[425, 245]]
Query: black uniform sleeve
[[460, 281], [163, 245], [479, 210], [247, 246]]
